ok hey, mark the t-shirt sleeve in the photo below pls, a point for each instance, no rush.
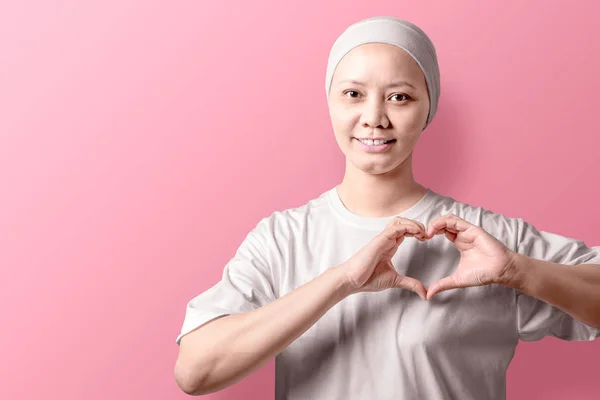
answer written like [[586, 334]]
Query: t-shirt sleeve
[[246, 284], [535, 318]]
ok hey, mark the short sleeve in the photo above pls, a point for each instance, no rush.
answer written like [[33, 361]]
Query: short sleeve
[[246, 284], [535, 318]]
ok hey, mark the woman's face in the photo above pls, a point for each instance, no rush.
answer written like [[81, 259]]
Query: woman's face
[[388, 100]]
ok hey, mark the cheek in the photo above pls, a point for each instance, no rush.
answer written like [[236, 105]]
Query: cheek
[[343, 124], [412, 124], [412, 120]]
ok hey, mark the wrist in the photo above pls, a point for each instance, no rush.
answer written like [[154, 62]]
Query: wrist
[[514, 274], [343, 286]]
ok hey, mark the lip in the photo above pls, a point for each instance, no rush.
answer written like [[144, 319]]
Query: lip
[[375, 149], [370, 138]]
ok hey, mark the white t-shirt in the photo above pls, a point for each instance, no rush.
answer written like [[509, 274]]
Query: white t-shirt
[[392, 344]]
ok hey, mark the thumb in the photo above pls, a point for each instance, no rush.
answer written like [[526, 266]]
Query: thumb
[[412, 284], [443, 284]]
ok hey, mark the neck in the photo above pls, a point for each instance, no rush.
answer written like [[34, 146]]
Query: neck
[[381, 195]]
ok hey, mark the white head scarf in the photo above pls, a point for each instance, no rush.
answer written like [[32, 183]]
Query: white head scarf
[[397, 32]]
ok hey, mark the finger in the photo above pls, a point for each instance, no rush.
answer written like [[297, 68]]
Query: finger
[[443, 284], [423, 228], [450, 222], [391, 230], [395, 221], [437, 224], [406, 221], [412, 284], [451, 236], [412, 221], [402, 228], [409, 229], [418, 224], [423, 236]]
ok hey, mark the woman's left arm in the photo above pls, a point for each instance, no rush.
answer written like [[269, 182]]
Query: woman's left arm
[[572, 288], [575, 289]]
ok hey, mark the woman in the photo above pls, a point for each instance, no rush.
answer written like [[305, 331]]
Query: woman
[[298, 286]]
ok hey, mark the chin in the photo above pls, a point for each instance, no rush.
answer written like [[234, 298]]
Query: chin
[[379, 164], [376, 168]]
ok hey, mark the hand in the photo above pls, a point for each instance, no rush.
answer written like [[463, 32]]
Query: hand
[[483, 258], [371, 269]]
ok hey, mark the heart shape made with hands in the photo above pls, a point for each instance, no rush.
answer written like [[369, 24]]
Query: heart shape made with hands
[[483, 258]]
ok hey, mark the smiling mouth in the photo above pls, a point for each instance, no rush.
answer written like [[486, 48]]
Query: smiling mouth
[[370, 142], [375, 146]]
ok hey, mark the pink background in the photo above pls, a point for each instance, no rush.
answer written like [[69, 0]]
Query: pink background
[[141, 140]]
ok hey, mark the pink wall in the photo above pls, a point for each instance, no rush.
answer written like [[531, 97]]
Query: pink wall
[[140, 141]]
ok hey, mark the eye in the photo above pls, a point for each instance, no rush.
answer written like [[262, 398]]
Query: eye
[[402, 94], [350, 91]]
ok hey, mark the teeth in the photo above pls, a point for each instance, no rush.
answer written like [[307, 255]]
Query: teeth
[[370, 142]]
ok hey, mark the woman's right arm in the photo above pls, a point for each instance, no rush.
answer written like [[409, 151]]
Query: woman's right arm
[[225, 350]]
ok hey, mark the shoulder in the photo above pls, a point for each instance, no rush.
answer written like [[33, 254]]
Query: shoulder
[[283, 224]]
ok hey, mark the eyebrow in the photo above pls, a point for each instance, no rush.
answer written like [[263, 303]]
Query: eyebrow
[[393, 84]]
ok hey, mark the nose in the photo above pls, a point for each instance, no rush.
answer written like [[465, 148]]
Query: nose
[[374, 115]]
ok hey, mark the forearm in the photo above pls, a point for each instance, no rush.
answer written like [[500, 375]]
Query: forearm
[[574, 289], [228, 349]]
